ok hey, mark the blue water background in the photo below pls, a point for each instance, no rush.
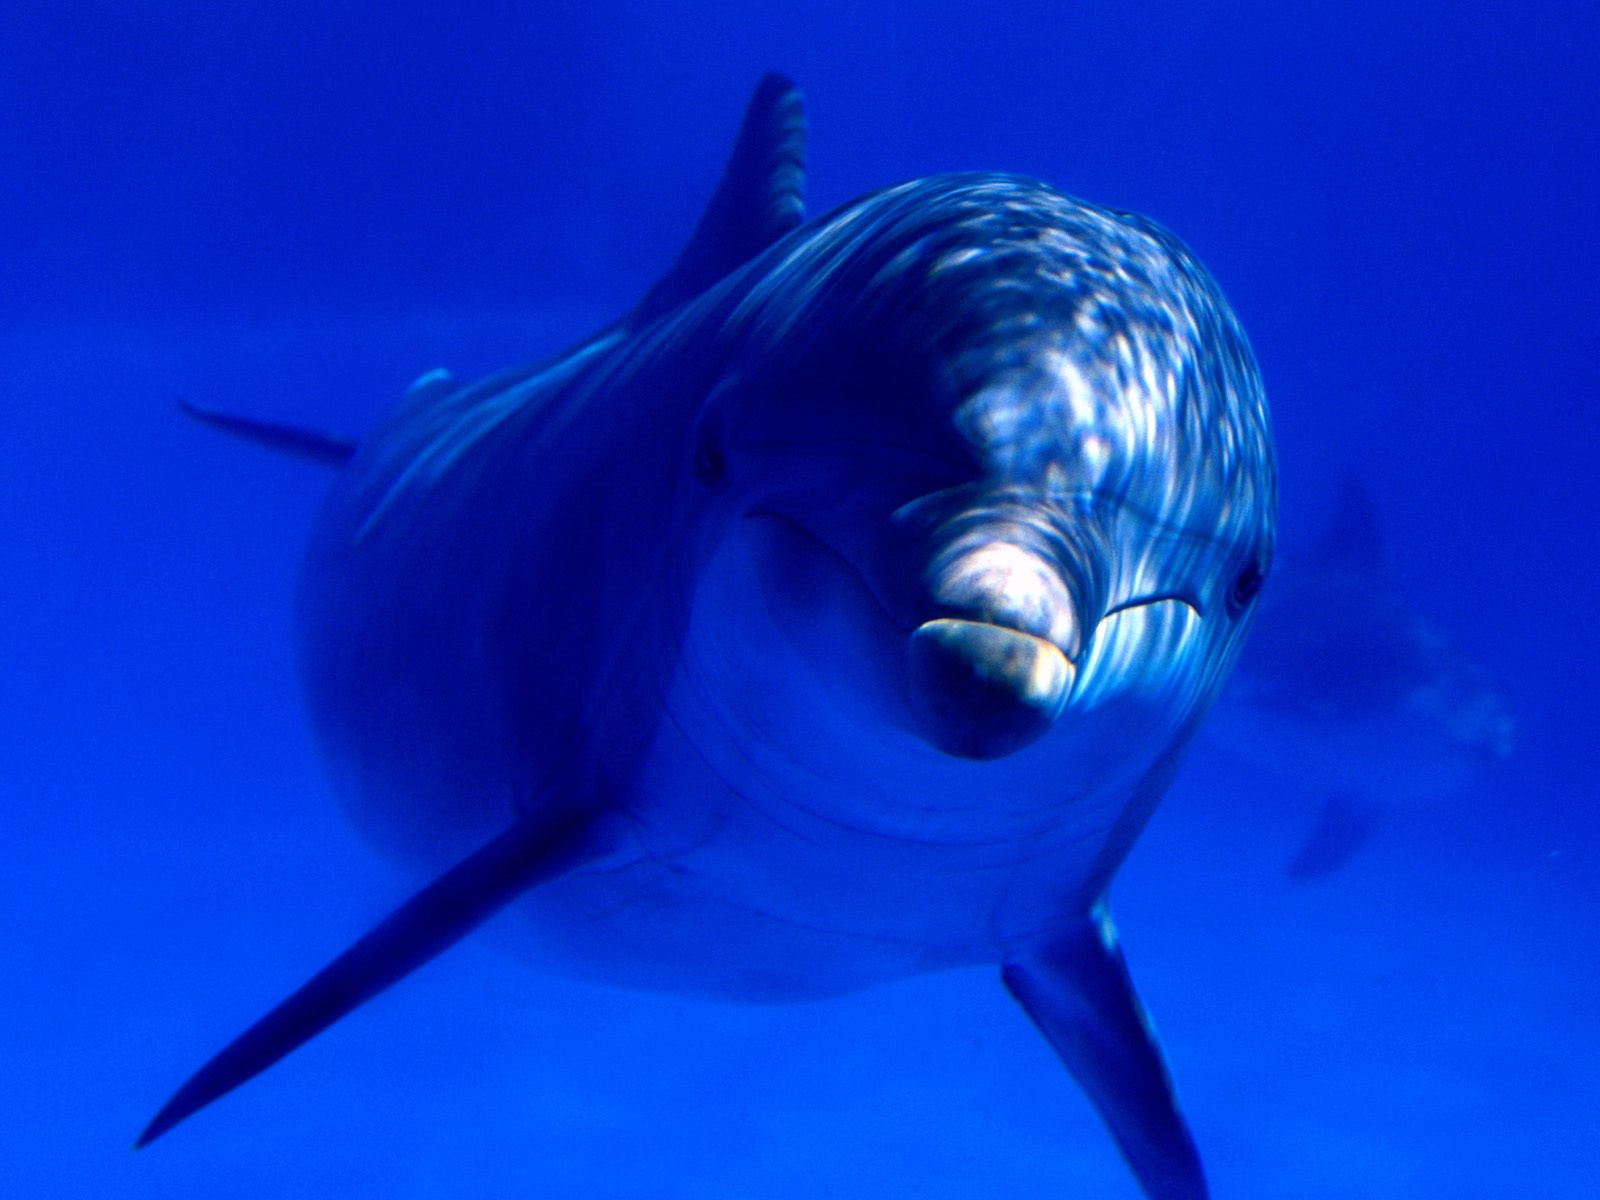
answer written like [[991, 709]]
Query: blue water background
[[294, 208]]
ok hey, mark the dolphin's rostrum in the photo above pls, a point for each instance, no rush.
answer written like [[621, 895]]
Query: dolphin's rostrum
[[839, 614]]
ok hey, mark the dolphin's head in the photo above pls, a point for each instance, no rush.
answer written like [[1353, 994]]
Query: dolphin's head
[[1016, 493]]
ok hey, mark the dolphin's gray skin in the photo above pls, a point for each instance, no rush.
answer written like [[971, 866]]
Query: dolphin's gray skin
[[1348, 695], [838, 615]]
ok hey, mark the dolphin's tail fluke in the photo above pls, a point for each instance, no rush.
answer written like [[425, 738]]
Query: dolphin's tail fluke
[[423, 927], [308, 444]]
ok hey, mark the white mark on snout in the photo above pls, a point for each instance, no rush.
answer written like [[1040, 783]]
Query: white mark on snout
[[1008, 585]]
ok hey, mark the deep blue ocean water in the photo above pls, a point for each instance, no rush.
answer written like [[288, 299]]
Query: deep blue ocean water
[[294, 209]]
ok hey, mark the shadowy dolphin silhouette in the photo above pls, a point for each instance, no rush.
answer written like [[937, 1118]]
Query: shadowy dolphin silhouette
[[839, 614], [1349, 697]]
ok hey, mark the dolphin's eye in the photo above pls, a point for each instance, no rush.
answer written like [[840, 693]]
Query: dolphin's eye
[[1245, 588], [710, 464]]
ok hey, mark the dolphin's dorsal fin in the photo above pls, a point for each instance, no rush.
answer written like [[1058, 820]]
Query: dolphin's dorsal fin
[[761, 198], [1353, 539]]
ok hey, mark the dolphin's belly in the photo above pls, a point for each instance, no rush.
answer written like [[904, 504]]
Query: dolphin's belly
[[786, 849], [715, 893], [788, 838]]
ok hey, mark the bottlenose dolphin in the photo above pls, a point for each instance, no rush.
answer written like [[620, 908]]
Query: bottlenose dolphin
[[1350, 697], [839, 614]]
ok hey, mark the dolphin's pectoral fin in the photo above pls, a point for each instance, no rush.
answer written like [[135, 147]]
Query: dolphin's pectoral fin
[[302, 443], [1078, 992], [1344, 826], [424, 926], [761, 197]]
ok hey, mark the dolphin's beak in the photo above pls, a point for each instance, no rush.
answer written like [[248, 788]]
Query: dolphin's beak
[[1009, 603], [982, 691]]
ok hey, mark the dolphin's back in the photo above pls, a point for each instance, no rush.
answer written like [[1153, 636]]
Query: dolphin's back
[[495, 548], [459, 597]]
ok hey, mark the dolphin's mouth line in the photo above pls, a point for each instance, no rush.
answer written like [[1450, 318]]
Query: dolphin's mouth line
[[907, 625], [1183, 598], [968, 685]]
